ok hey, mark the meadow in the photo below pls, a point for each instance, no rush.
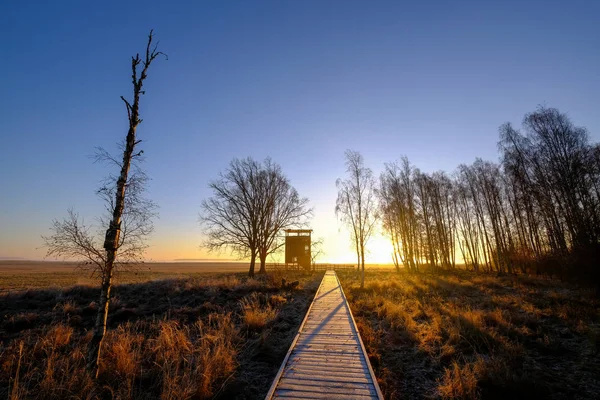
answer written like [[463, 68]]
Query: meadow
[[461, 335], [196, 332], [171, 335]]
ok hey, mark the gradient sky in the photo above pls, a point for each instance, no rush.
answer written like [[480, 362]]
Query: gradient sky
[[300, 81]]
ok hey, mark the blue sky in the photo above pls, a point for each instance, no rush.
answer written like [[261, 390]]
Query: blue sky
[[300, 81]]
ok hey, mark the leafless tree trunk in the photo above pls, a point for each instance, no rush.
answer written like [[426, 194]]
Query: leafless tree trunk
[[111, 242], [129, 221]]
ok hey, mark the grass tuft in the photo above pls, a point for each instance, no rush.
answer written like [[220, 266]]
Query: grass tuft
[[256, 313]]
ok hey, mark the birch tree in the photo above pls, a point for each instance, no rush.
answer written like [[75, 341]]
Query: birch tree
[[356, 205], [129, 215]]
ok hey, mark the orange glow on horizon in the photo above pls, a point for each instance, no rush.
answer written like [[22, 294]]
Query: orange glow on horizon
[[339, 250]]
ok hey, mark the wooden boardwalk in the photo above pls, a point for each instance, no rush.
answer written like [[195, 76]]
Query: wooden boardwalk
[[327, 359]]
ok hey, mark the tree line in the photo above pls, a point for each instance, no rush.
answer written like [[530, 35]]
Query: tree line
[[537, 210]]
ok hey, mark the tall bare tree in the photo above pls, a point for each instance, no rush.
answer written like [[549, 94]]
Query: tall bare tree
[[129, 219], [356, 204], [399, 214]]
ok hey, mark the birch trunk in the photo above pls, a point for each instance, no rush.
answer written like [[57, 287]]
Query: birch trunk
[[111, 241]]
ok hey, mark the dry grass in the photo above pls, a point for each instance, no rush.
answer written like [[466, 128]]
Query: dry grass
[[193, 338], [257, 312], [466, 336]]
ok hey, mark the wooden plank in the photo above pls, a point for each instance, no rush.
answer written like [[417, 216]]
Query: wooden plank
[[327, 342], [356, 376], [333, 362], [315, 396], [343, 325], [315, 385], [325, 331], [337, 335], [320, 366], [350, 362], [348, 389], [328, 350], [303, 390], [324, 355], [329, 377]]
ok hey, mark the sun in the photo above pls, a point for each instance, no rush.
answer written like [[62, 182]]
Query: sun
[[379, 250]]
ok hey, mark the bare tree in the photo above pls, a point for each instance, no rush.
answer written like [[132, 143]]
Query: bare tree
[[231, 217], [316, 250], [129, 219], [397, 193], [356, 204], [281, 207], [251, 204]]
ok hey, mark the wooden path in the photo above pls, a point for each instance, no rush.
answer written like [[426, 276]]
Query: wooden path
[[327, 359]]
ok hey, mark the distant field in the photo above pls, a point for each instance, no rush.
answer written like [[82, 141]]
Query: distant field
[[451, 335], [21, 275]]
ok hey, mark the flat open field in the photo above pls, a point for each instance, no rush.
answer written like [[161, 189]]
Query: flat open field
[[204, 330], [20, 275]]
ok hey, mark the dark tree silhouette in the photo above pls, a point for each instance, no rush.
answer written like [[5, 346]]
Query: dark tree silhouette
[[281, 208], [251, 203], [316, 250]]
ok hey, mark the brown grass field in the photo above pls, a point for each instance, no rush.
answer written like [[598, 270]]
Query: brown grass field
[[464, 336], [198, 331], [181, 333]]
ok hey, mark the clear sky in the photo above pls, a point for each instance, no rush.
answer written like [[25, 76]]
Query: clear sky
[[300, 81]]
